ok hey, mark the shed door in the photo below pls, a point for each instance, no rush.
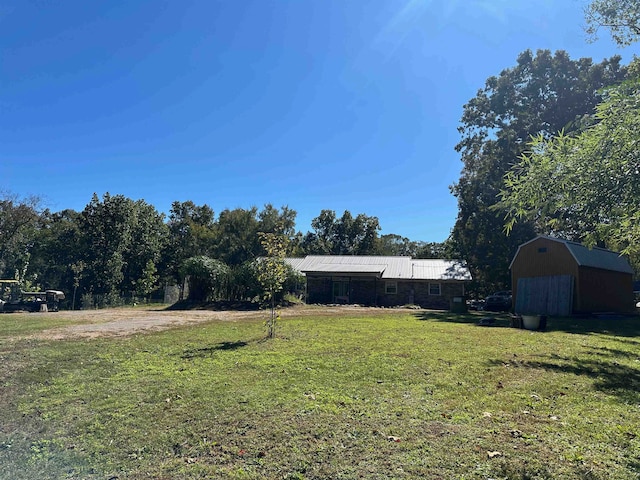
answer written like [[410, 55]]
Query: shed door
[[551, 295]]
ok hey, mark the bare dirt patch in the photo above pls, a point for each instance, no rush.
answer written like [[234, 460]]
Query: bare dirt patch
[[130, 321]]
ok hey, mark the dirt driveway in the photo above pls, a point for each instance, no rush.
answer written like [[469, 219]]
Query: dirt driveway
[[129, 321]]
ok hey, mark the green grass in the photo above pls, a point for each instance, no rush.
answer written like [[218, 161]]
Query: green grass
[[392, 396], [23, 324]]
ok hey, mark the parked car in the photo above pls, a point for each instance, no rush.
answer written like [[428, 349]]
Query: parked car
[[475, 304], [498, 302]]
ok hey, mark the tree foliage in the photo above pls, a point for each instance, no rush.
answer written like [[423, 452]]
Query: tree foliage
[[118, 238], [585, 186], [342, 236], [19, 218], [191, 233], [206, 277], [620, 17], [543, 94]]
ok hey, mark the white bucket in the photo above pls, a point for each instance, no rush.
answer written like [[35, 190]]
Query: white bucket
[[531, 322]]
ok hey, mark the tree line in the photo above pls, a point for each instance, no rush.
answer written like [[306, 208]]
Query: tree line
[[119, 247]]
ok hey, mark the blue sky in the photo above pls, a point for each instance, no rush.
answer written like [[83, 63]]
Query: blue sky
[[315, 104]]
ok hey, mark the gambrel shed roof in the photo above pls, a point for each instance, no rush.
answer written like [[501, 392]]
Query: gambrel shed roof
[[594, 257]]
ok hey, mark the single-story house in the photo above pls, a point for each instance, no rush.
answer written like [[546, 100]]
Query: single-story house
[[383, 281], [551, 276]]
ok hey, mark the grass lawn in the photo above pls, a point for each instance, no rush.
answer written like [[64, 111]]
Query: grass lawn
[[398, 395]]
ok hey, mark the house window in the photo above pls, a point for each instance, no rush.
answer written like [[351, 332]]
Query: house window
[[542, 250], [391, 288], [434, 289]]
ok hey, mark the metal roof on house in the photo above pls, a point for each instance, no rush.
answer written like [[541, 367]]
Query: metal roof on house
[[436, 269], [294, 262], [594, 257], [389, 268]]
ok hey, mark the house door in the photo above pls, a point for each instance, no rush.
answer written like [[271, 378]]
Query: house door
[[341, 291]]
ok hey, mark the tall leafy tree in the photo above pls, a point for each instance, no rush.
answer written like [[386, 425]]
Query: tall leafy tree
[[191, 233], [543, 94], [106, 229], [149, 235], [585, 186], [342, 236], [19, 219], [277, 220], [396, 245], [237, 236], [237, 231], [120, 237], [56, 246]]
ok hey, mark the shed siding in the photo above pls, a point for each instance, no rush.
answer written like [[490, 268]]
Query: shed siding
[[603, 291], [531, 262]]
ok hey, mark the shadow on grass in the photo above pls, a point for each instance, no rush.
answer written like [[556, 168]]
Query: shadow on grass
[[600, 364], [622, 326], [209, 351], [487, 319], [215, 306]]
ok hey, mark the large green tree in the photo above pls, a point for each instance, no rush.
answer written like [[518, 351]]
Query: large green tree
[[149, 235], [586, 185], [56, 246], [346, 235], [191, 233], [541, 95], [19, 221], [120, 237]]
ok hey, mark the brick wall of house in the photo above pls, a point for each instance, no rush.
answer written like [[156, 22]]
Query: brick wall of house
[[417, 293], [363, 290], [319, 290], [369, 291]]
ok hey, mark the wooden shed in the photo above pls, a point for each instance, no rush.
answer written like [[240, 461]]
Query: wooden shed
[[551, 276]]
